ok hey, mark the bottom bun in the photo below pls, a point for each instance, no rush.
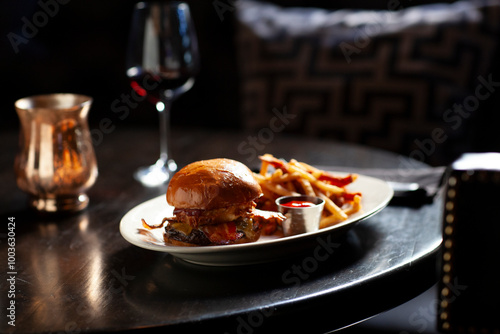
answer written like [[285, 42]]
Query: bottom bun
[[199, 238], [173, 242]]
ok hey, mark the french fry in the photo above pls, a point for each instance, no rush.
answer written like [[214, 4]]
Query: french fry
[[285, 177], [355, 207], [325, 187], [306, 185], [277, 174], [290, 186], [305, 166], [299, 178], [264, 165], [278, 189], [259, 177], [269, 194], [333, 208], [328, 221], [302, 173]]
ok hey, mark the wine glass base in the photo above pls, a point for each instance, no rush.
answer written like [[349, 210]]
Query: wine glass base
[[152, 176], [172, 166]]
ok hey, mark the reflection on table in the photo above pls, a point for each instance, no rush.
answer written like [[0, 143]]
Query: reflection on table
[[76, 272]]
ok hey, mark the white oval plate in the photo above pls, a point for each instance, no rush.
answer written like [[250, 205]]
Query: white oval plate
[[376, 195]]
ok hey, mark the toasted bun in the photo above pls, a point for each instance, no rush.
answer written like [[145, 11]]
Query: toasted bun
[[212, 184], [172, 240]]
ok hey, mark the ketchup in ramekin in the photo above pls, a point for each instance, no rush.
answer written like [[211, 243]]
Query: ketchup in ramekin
[[298, 204], [303, 213]]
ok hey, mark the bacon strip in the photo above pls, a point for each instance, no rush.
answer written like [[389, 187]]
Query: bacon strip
[[276, 163], [269, 220], [268, 216], [337, 180], [222, 234], [152, 227]]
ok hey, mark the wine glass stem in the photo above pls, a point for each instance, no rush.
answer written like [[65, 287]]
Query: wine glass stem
[[164, 108]]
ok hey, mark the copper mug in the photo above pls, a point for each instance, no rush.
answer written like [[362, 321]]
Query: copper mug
[[56, 162]]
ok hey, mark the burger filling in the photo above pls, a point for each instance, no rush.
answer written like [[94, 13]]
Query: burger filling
[[236, 224], [199, 217], [213, 234]]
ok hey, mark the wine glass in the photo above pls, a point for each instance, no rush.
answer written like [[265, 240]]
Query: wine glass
[[162, 61]]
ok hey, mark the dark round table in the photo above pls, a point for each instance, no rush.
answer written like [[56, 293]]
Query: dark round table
[[76, 273]]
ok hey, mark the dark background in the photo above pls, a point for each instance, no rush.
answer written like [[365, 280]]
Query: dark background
[[82, 49]]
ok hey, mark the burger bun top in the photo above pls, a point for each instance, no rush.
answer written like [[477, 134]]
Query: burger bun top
[[212, 184]]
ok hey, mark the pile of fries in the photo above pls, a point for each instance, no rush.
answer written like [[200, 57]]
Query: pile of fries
[[279, 178]]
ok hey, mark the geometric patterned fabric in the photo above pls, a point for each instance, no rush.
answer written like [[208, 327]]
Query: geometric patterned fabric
[[408, 80]]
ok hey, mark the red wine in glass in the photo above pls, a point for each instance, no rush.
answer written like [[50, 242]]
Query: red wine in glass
[[162, 61], [152, 86]]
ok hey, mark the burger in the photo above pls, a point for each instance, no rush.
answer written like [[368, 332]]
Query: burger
[[215, 204]]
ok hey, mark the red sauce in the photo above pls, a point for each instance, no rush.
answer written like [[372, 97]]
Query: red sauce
[[298, 204]]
